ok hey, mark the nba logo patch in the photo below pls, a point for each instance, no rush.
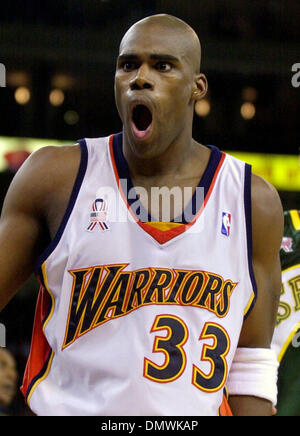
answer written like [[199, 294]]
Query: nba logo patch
[[226, 223]]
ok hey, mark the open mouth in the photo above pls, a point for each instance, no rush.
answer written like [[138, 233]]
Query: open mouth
[[142, 120]]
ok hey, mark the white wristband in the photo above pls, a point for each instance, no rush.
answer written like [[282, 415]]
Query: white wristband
[[254, 372]]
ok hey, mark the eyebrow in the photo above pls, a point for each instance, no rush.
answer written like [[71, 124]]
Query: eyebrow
[[154, 56]]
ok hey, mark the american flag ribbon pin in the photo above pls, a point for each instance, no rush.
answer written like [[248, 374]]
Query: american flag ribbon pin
[[98, 215]]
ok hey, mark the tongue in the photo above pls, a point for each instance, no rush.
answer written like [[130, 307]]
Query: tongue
[[142, 117]]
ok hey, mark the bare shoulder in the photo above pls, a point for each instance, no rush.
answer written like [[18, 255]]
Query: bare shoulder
[[267, 213], [263, 190], [51, 160], [53, 163], [34, 204], [46, 171]]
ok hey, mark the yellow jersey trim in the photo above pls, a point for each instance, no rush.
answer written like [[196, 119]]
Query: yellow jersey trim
[[42, 378], [291, 268], [295, 219], [163, 226], [45, 280], [247, 308], [288, 341]]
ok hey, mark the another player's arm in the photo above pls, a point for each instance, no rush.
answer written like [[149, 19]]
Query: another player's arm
[[26, 213], [257, 331]]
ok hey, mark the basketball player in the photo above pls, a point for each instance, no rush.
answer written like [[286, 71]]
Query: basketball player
[[286, 339], [140, 315]]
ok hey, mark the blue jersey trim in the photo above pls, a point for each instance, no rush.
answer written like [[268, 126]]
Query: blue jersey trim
[[205, 182], [76, 188], [248, 218]]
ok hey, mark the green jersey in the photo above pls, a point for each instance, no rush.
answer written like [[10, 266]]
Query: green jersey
[[286, 339]]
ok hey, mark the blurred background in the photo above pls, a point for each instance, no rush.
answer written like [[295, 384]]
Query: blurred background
[[59, 59]]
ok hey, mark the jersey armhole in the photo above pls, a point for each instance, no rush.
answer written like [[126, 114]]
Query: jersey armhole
[[248, 222], [74, 194]]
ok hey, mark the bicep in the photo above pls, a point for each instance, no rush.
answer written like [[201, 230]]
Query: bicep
[[267, 230], [21, 232], [17, 253], [257, 330]]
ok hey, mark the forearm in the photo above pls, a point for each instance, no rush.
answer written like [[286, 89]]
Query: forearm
[[243, 405]]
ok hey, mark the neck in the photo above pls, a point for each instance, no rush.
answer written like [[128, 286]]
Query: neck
[[170, 161]]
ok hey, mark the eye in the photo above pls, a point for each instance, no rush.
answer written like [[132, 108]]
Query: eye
[[128, 65], [163, 66]]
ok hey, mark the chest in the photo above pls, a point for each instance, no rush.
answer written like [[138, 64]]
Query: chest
[[166, 200]]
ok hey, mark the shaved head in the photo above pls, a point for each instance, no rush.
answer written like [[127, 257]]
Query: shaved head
[[157, 83], [184, 35]]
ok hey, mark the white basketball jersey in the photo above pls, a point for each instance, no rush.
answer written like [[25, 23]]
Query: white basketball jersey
[[133, 319]]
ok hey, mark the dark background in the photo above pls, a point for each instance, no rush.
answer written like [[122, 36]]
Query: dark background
[[248, 43], [245, 43]]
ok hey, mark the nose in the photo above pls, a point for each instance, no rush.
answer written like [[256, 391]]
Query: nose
[[141, 80]]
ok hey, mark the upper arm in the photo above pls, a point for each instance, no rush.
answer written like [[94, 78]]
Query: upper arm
[[23, 229], [267, 232]]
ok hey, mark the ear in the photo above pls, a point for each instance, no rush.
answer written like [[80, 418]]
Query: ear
[[200, 87]]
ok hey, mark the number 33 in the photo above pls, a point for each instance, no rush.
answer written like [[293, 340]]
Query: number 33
[[172, 346]]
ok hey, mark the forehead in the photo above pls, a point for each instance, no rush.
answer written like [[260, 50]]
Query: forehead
[[149, 39]]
